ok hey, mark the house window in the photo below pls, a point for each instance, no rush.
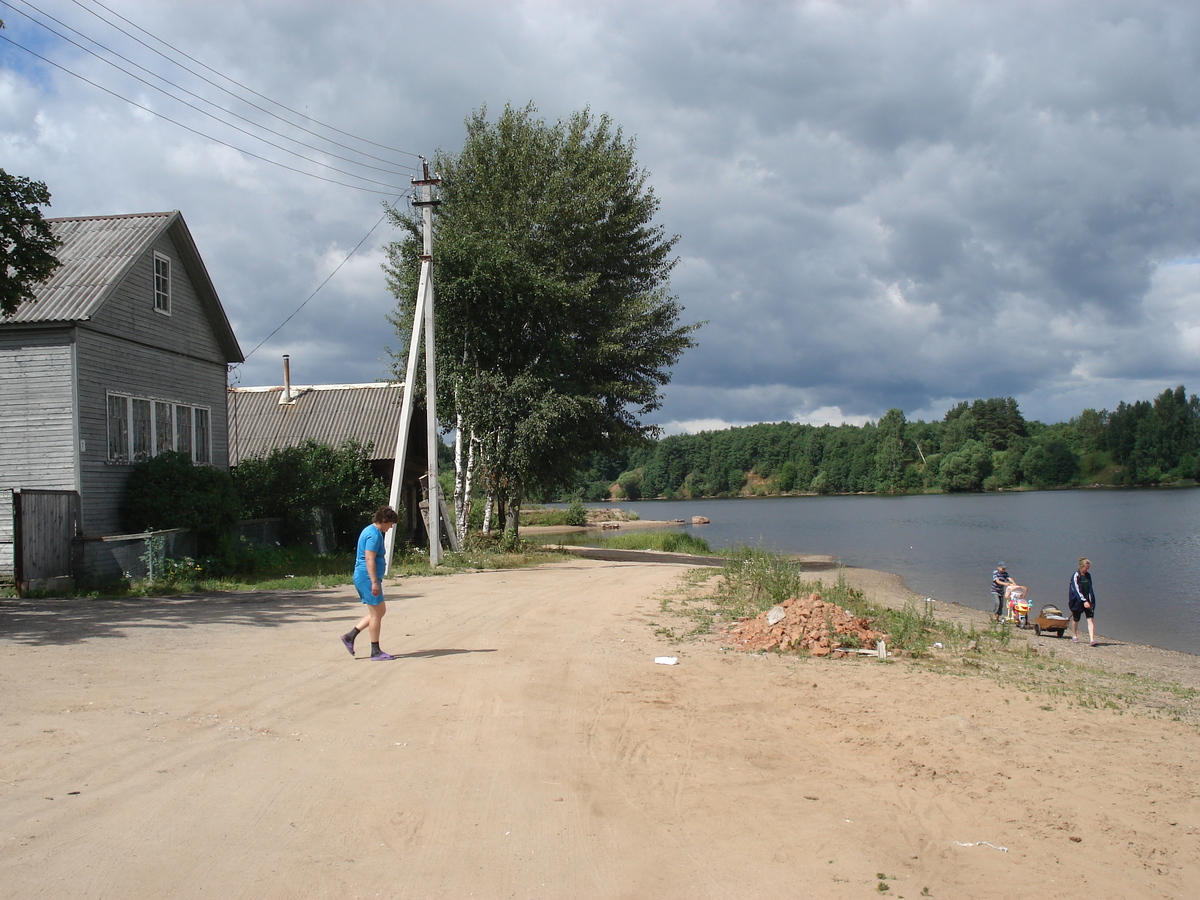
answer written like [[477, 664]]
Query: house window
[[202, 454], [183, 429], [118, 428], [139, 428], [164, 427], [143, 430], [162, 283]]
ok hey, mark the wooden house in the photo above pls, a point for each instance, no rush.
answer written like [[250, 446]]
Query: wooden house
[[123, 354]]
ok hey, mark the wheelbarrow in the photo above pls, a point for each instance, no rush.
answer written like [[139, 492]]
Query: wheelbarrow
[[1051, 618]]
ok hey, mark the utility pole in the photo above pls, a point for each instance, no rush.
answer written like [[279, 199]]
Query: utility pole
[[422, 318]]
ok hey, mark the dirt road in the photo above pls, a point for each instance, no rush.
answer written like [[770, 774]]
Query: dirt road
[[526, 745]]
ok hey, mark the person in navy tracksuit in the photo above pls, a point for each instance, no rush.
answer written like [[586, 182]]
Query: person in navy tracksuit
[[1082, 600]]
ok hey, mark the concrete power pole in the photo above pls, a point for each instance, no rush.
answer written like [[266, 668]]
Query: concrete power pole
[[422, 318]]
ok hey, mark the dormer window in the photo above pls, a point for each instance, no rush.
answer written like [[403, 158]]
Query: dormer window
[[162, 283]]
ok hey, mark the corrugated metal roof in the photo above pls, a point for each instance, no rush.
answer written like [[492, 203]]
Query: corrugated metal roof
[[329, 414], [95, 253]]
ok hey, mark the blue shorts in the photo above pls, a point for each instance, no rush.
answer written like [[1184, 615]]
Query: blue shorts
[[363, 584]]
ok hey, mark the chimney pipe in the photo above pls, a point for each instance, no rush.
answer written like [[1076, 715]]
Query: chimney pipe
[[287, 380]]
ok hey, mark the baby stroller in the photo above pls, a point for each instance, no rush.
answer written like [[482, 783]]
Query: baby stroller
[[1018, 607]]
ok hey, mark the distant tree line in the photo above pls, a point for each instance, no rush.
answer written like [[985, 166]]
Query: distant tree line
[[986, 445]]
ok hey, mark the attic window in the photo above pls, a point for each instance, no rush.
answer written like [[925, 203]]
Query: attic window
[[162, 283]]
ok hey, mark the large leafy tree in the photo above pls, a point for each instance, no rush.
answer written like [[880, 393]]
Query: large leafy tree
[[26, 243], [556, 329]]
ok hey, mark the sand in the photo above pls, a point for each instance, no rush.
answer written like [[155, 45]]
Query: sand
[[526, 745]]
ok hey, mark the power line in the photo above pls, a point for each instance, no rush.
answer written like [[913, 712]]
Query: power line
[[243, 87], [234, 82], [194, 131], [317, 289], [198, 109], [190, 93], [298, 126]]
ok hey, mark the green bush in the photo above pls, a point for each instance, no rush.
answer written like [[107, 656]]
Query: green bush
[[576, 514], [291, 482], [168, 491]]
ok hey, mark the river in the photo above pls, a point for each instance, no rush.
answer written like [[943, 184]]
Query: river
[[1144, 546]]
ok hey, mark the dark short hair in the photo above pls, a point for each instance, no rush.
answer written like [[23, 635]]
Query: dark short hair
[[384, 515]]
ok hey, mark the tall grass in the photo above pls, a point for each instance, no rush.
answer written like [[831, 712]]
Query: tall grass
[[663, 541], [755, 580]]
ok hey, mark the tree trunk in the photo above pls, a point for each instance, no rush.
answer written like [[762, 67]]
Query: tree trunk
[[515, 510], [488, 505], [501, 513], [464, 523], [459, 475]]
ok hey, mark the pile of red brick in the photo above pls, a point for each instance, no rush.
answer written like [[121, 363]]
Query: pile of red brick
[[809, 624]]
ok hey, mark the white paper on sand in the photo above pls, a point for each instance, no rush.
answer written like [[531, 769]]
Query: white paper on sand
[[666, 660]]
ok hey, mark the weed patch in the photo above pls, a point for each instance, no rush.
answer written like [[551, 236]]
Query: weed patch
[[662, 541]]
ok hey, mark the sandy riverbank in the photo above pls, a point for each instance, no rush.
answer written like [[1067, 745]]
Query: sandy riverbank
[[525, 744]]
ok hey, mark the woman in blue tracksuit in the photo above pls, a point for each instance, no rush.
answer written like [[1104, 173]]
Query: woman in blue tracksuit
[[1082, 600]]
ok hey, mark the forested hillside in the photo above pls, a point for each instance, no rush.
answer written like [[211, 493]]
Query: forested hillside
[[986, 445]]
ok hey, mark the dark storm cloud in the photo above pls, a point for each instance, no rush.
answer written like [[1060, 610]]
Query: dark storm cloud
[[879, 204]]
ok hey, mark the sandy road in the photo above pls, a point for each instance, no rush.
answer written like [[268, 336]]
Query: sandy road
[[526, 745]]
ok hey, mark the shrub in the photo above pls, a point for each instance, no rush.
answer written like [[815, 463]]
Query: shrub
[[168, 491], [291, 482], [576, 514]]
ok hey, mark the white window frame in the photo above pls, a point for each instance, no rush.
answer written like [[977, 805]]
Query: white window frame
[[162, 283], [190, 429]]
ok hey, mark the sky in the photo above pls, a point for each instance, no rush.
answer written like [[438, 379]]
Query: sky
[[879, 204]]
